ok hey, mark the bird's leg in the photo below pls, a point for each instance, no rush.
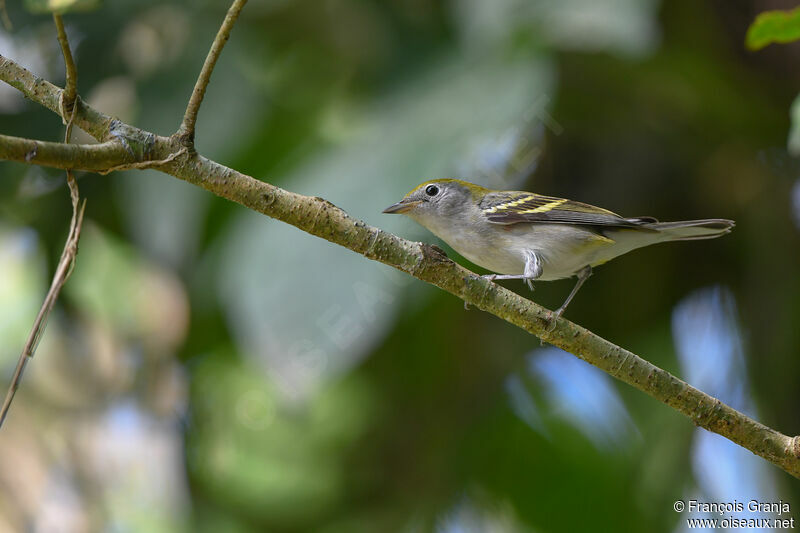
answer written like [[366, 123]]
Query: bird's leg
[[583, 275], [533, 269]]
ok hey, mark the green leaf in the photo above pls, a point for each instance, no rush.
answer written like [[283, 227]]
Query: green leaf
[[773, 27], [61, 6], [793, 144]]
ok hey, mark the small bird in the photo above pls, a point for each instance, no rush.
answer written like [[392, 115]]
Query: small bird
[[523, 235]]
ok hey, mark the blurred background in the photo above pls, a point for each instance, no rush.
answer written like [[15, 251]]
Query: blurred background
[[210, 369]]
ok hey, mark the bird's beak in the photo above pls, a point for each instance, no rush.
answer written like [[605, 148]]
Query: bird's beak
[[402, 206]]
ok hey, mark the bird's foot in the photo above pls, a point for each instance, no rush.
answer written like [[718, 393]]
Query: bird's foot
[[552, 319]]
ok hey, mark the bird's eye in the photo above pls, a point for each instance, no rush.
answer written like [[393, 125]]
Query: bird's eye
[[431, 190]]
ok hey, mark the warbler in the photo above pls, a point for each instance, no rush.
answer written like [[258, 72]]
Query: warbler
[[523, 235]]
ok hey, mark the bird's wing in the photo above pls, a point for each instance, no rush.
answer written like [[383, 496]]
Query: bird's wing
[[512, 207]]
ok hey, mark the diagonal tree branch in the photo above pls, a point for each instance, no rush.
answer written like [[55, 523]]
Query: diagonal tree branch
[[44, 93], [186, 131], [321, 218]]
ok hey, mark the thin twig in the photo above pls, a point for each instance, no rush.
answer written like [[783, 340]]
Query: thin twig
[[186, 131], [71, 83], [142, 165], [67, 261]]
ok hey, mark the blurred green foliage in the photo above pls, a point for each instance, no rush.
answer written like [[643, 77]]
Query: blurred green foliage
[[774, 27], [211, 369]]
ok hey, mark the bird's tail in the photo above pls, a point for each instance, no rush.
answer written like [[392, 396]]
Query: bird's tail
[[690, 230]]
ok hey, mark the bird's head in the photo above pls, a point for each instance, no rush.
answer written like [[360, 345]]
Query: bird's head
[[438, 200]]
